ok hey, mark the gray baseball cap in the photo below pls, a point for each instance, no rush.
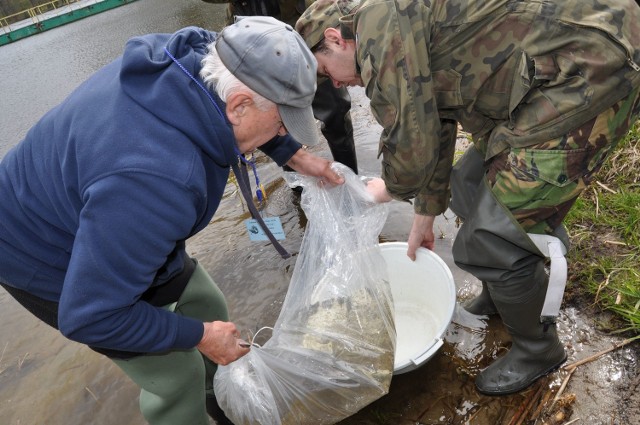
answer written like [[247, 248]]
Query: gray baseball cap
[[273, 60]]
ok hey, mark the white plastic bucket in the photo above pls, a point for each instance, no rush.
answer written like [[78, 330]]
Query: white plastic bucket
[[424, 297]]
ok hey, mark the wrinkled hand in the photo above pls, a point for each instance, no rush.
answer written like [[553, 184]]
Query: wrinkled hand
[[221, 342], [378, 189], [312, 165], [421, 234]]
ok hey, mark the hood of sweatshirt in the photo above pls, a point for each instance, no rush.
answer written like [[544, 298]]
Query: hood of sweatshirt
[[153, 63]]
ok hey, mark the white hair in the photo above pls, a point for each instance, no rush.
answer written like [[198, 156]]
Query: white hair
[[217, 77]]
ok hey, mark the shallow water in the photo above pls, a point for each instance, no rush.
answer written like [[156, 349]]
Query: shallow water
[[45, 379]]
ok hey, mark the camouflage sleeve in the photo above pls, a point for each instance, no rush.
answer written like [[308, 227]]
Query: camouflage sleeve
[[395, 67], [434, 198]]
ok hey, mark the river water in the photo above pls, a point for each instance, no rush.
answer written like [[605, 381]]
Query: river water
[[46, 379]]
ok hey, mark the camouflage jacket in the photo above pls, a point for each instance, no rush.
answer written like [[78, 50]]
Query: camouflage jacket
[[512, 73]]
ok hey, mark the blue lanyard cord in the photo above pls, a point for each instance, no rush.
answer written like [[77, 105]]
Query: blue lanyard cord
[[198, 83], [251, 162]]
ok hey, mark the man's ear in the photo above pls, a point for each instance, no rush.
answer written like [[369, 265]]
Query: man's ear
[[333, 36], [237, 104]]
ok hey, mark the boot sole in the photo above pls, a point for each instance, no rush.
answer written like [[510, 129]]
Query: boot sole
[[531, 382]]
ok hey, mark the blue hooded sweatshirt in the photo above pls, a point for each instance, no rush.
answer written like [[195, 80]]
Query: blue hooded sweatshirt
[[97, 201]]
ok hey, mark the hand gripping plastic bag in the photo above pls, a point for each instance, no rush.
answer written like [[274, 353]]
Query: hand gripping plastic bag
[[332, 347]]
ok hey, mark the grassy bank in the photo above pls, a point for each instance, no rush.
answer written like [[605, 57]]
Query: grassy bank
[[604, 225]]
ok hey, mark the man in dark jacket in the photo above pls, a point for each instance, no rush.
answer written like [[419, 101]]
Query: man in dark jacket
[[97, 201]]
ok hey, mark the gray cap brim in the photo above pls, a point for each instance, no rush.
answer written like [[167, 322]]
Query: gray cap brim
[[300, 124]]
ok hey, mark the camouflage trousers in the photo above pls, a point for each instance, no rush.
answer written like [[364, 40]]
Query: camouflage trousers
[[538, 184]]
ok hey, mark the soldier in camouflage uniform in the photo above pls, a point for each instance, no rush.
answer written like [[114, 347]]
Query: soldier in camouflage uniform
[[332, 105], [547, 90]]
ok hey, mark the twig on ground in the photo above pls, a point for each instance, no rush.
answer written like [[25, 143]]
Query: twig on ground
[[92, 394], [616, 243], [565, 381], [541, 406], [528, 403], [600, 354], [21, 360], [2, 357], [602, 285], [606, 187]]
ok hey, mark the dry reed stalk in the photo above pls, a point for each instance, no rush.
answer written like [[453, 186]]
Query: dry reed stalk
[[562, 387], [606, 187], [599, 354], [92, 394], [528, 404], [536, 414]]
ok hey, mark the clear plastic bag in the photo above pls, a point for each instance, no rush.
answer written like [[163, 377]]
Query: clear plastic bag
[[332, 348]]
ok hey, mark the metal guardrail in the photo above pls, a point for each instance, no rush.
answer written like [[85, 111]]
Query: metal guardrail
[[34, 13], [51, 15]]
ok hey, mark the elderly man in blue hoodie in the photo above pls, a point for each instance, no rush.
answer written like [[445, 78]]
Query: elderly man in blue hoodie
[[97, 202]]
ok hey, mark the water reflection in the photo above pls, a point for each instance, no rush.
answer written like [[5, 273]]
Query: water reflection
[[466, 334]]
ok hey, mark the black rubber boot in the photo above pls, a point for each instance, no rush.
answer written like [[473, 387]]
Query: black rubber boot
[[215, 411], [482, 305], [536, 349]]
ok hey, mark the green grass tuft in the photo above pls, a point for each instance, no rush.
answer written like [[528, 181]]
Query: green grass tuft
[[604, 226]]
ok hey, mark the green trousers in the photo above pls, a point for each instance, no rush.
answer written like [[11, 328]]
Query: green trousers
[[174, 385]]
